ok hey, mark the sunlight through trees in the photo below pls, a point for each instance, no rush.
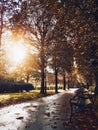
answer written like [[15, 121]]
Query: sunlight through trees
[[40, 34]]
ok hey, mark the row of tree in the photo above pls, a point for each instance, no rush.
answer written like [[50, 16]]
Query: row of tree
[[63, 32]]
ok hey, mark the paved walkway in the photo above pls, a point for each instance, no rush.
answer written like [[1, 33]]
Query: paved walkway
[[48, 113]]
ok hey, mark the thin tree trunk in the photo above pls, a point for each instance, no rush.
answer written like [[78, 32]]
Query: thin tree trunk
[[64, 81], [27, 79], [56, 80], [42, 68], [96, 81], [42, 80], [1, 27]]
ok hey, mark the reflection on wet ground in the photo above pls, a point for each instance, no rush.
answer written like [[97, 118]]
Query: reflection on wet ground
[[42, 114], [47, 113], [51, 113]]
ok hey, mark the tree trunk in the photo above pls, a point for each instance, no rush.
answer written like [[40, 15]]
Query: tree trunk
[[1, 32], [42, 68], [27, 79], [45, 91], [1, 21], [64, 81], [42, 80], [96, 81], [56, 80], [90, 80]]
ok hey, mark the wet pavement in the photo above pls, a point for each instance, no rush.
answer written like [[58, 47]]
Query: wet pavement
[[47, 113]]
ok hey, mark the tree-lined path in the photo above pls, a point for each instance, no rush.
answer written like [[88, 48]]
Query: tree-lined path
[[47, 45], [47, 113]]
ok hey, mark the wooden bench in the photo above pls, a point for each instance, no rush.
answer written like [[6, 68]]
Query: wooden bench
[[80, 101]]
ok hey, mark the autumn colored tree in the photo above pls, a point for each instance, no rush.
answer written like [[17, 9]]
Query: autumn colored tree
[[81, 32], [68, 27], [38, 19]]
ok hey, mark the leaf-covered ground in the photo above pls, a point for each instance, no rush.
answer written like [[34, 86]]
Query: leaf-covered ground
[[82, 121]]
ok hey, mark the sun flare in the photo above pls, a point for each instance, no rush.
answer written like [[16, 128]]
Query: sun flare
[[16, 54]]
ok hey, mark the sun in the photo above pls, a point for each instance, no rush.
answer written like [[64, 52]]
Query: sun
[[16, 53]]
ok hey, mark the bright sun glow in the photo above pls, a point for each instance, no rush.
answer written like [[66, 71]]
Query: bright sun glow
[[16, 53]]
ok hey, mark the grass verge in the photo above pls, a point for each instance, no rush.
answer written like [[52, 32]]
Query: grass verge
[[12, 98]]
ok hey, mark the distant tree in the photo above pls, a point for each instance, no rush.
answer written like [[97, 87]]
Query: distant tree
[[86, 37], [7, 9], [38, 19], [81, 31], [70, 24], [27, 70], [61, 48]]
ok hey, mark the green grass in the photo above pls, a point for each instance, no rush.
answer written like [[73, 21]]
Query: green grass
[[12, 98]]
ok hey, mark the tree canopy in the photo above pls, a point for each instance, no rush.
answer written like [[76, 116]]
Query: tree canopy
[[62, 32]]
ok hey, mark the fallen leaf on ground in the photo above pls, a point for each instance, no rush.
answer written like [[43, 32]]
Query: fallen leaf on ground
[[20, 118]]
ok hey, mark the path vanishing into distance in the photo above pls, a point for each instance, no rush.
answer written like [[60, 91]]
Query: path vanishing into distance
[[47, 113]]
